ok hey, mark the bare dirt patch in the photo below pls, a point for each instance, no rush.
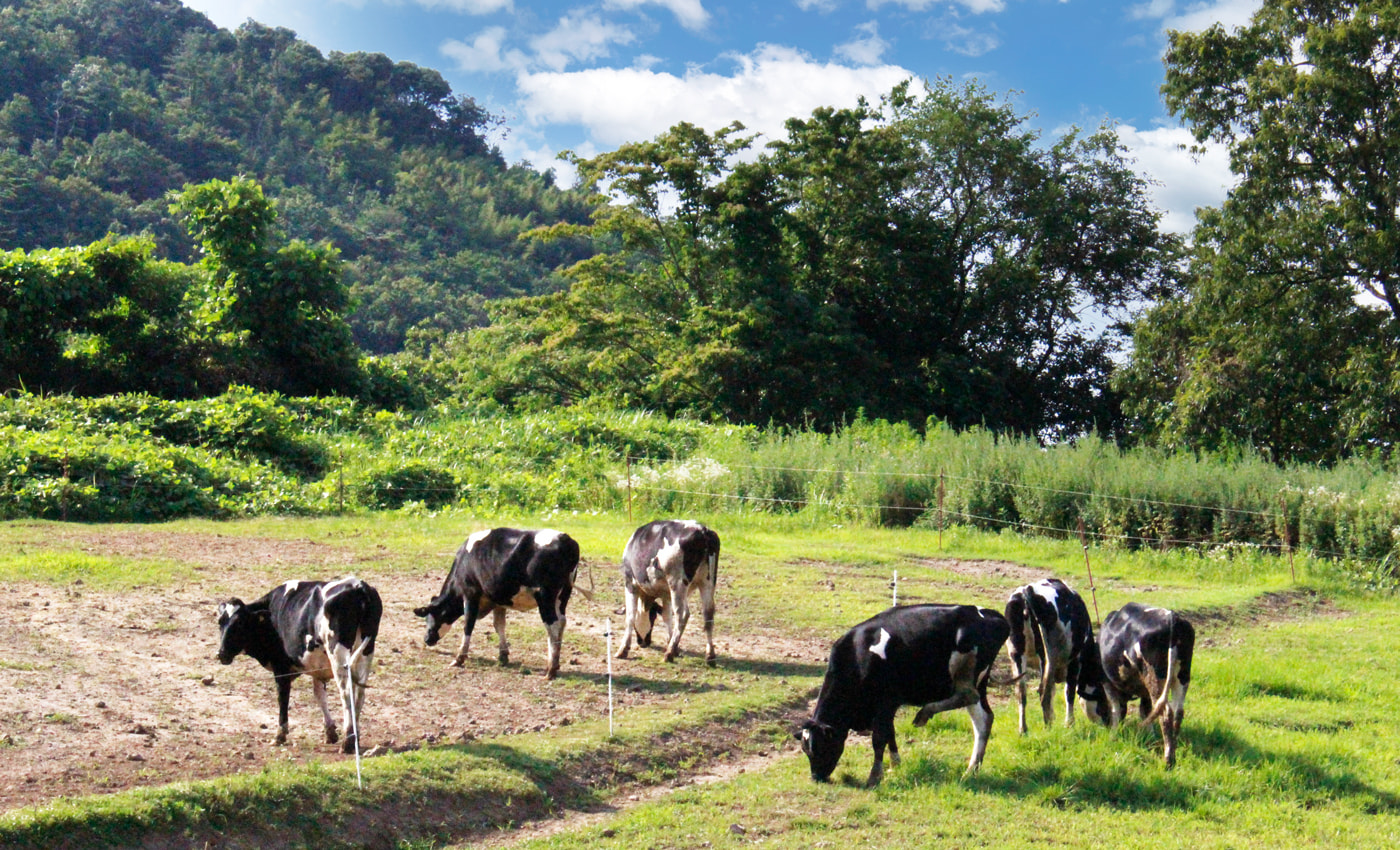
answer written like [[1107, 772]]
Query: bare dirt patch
[[104, 691]]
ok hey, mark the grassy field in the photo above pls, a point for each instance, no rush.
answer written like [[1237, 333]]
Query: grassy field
[[1290, 737]]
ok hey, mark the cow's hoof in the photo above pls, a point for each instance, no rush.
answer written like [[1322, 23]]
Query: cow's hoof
[[459, 661], [670, 657], [621, 654], [280, 740], [331, 736], [710, 660], [503, 660], [551, 674], [921, 719], [349, 745]]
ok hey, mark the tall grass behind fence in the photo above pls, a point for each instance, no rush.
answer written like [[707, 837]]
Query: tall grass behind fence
[[140, 458]]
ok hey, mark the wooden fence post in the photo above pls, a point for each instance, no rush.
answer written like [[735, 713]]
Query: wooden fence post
[[1093, 591]]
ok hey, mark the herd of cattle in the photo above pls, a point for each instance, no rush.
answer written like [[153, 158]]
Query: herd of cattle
[[937, 657]]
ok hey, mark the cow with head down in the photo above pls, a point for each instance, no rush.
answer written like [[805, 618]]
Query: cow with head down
[[1144, 653], [664, 564], [506, 569], [938, 657], [323, 629]]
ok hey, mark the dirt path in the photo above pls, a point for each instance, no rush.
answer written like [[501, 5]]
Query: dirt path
[[106, 691]]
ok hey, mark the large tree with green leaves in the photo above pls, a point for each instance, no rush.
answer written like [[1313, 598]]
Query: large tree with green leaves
[[1285, 337], [927, 257]]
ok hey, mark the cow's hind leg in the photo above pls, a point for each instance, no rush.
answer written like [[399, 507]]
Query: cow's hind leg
[[981, 714], [629, 619], [962, 670], [678, 615], [552, 613], [707, 609]]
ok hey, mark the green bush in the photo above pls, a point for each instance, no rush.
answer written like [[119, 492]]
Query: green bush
[[394, 484]]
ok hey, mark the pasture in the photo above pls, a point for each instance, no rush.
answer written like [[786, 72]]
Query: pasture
[[119, 728]]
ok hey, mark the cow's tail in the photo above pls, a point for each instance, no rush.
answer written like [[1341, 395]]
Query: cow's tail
[[1173, 670]]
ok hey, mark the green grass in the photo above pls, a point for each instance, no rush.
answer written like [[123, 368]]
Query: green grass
[[1290, 736]]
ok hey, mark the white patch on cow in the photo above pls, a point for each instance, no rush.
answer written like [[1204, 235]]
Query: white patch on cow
[[669, 553], [880, 646], [226, 609], [689, 523], [476, 538], [291, 586], [1047, 591], [546, 537]]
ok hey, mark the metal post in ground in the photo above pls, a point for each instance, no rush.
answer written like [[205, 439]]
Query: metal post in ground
[[1093, 591]]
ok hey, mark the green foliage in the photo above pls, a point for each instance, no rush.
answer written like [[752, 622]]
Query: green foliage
[[1269, 345], [108, 105], [925, 258]]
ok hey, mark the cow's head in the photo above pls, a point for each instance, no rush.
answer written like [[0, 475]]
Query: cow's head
[[823, 745], [442, 612], [234, 623], [1091, 684]]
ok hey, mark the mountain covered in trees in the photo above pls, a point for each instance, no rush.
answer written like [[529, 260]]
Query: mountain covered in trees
[[108, 105]]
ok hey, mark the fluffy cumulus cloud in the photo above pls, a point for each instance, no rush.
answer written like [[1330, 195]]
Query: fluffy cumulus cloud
[[690, 13], [618, 105], [484, 53], [1182, 181], [578, 38], [867, 48]]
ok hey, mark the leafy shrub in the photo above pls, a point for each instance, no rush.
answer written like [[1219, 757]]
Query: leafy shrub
[[414, 481]]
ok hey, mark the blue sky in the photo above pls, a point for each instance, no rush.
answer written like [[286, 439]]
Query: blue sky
[[589, 76]]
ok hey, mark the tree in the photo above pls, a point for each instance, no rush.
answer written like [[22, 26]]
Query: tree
[[278, 309], [924, 258], [1269, 344]]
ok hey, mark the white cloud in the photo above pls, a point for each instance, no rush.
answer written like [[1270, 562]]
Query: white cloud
[[578, 39], [817, 5], [690, 13], [1183, 181], [484, 53], [1199, 15], [977, 7], [618, 105], [968, 42], [866, 48]]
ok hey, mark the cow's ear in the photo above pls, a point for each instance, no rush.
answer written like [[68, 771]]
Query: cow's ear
[[421, 612]]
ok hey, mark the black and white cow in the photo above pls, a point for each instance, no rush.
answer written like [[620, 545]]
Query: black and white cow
[[1144, 653], [1051, 632], [935, 656], [664, 562], [325, 629], [506, 568]]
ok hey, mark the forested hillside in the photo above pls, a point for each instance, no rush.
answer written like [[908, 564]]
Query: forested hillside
[[107, 105]]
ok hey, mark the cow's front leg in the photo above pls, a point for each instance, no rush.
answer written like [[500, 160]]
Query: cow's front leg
[[498, 618], [318, 687], [284, 696], [1071, 687], [678, 615], [881, 736], [473, 609]]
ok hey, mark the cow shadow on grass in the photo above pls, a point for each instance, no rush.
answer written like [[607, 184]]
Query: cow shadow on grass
[[1306, 779]]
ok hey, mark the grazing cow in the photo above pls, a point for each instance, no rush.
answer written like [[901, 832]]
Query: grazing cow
[[1145, 654], [325, 629], [935, 656], [1050, 629], [662, 564], [506, 568]]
